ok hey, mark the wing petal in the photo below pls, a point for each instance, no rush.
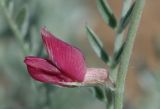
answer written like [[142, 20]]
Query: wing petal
[[42, 70]]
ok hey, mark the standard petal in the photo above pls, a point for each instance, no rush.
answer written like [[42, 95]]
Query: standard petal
[[66, 57], [95, 76]]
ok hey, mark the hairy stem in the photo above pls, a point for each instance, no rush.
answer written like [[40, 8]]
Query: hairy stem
[[118, 41], [124, 62], [119, 36]]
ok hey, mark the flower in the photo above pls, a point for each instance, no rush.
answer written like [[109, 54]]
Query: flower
[[65, 65]]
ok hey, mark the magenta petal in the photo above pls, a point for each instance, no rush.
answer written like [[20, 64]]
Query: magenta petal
[[41, 64], [41, 70], [42, 76], [66, 57]]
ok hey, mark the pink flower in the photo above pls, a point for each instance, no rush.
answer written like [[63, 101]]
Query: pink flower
[[65, 66]]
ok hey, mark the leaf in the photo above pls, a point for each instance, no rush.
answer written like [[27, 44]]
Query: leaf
[[125, 20], [21, 16], [117, 55], [22, 20], [96, 44], [104, 95], [36, 44], [110, 99], [98, 93], [106, 13], [11, 7]]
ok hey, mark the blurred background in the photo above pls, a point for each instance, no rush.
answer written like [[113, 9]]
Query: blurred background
[[67, 20]]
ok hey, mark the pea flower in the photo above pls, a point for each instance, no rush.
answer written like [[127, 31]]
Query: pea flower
[[65, 66]]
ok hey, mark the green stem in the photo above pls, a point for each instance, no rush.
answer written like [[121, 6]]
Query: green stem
[[119, 40], [14, 27], [19, 38], [124, 63], [119, 36], [48, 102]]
